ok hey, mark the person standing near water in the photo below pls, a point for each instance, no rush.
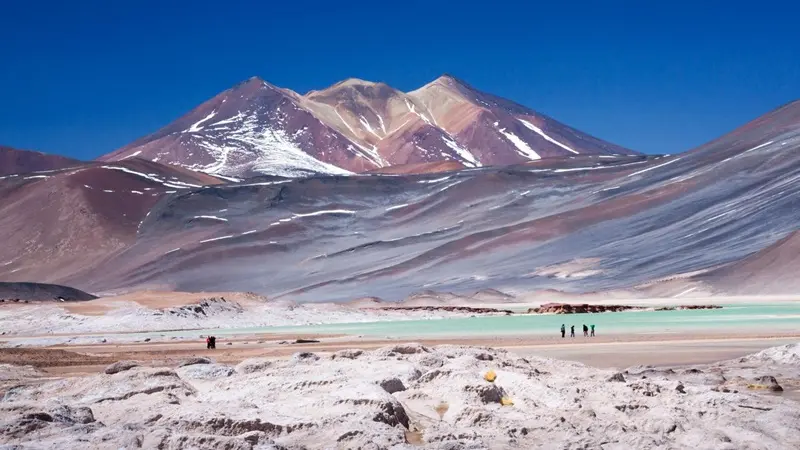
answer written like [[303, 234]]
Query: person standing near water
[[572, 331], [585, 331], [563, 331], [592, 335]]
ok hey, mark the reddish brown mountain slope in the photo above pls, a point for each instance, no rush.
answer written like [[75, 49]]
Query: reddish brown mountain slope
[[57, 223], [24, 161]]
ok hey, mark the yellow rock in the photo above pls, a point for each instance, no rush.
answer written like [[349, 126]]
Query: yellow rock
[[505, 401], [490, 376], [441, 409]]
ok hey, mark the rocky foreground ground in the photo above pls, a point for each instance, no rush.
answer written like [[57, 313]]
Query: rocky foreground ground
[[405, 397]]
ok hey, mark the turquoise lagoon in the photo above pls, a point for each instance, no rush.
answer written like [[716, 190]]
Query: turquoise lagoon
[[755, 318]]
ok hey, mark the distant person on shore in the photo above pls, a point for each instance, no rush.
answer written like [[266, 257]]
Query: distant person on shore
[[572, 331], [211, 342], [563, 331], [592, 335], [585, 331]]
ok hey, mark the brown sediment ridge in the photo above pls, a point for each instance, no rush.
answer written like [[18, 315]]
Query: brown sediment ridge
[[466, 309], [567, 308]]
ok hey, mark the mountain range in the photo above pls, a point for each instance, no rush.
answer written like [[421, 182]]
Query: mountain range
[[330, 196], [357, 126]]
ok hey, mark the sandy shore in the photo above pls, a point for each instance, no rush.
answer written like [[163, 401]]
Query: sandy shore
[[601, 352]]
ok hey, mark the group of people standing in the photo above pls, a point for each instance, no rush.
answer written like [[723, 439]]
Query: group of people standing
[[586, 332]]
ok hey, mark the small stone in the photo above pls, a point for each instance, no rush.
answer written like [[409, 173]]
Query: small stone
[[680, 388], [305, 356], [617, 377]]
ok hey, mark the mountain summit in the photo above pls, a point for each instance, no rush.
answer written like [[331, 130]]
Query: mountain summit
[[355, 126]]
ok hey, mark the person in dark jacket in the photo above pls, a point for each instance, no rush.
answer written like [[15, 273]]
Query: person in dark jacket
[[563, 331], [572, 331]]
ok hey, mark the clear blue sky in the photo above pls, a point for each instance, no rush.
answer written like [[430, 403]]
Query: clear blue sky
[[83, 78]]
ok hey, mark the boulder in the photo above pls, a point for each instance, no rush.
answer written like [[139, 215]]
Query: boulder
[[347, 354], [766, 382], [487, 393], [120, 366], [72, 415], [195, 360], [254, 365], [392, 385]]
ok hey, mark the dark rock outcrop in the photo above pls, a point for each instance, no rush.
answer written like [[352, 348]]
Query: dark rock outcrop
[[464, 309], [41, 292], [585, 308]]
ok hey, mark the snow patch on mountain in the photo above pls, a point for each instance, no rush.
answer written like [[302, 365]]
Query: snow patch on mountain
[[654, 167], [383, 126], [221, 219], [522, 147], [168, 183], [274, 151], [134, 154], [196, 126], [541, 133], [469, 159], [366, 124], [413, 109]]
